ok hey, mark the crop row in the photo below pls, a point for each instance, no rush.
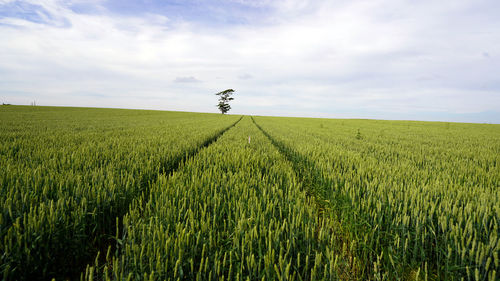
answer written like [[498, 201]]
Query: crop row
[[68, 174], [417, 199], [180, 196], [235, 211]]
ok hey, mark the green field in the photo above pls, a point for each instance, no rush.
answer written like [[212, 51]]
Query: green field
[[113, 194]]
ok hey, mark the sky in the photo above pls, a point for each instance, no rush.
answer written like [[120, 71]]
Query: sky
[[380, 59]]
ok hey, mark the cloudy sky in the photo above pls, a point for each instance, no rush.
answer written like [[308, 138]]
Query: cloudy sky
[[384, 59]]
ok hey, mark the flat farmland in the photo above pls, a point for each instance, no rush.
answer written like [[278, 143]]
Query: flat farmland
[[114, 194]]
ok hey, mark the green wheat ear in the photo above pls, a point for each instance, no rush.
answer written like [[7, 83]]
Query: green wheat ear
[[102, 194]]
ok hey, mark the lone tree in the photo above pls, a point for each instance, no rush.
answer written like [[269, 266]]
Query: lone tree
[[224, 98]]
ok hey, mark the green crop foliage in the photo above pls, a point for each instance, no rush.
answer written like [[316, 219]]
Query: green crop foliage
[[109, 194], [421, 199], [236, 211], [69, 173]]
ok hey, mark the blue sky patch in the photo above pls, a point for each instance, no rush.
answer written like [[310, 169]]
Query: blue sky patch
[[211, 12]]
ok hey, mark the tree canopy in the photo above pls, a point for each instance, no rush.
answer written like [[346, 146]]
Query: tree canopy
[[224, 98]]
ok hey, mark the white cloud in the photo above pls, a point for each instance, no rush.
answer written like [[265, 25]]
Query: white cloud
[[187, 79], [245, 76], [308, 56]]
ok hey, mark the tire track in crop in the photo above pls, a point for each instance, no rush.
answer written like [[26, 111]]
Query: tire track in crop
[[107, 241], [170, 168], [314, 182], [176, 163], [316, 186], [305, 169]]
